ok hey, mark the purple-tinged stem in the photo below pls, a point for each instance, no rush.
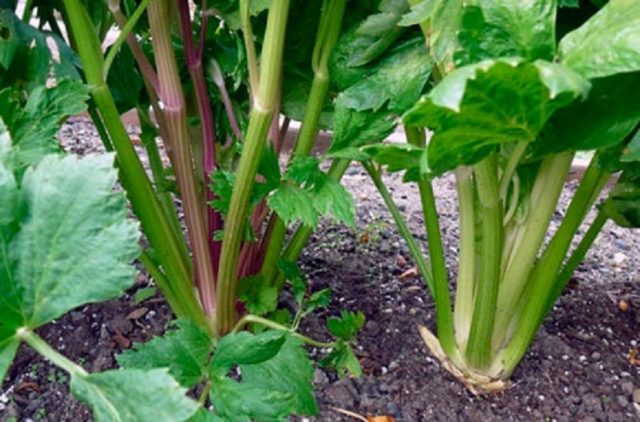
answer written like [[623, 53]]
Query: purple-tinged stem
[[173, 101], [146, 68], [194, 64], [218, 79]]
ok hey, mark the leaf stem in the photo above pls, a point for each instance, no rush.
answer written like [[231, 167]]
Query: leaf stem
[[43, 348], [577, 256], [478, 351], [465, 284], [326, 39], [122, 37], [134, 179], [254, 319], [148, 72], [259, 122], [403, 228], [172, 97], [520, 262], [536, 298], [444, 315], [252, 58], [194, 64]]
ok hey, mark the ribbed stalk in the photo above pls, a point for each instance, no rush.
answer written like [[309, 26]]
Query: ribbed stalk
[[577, 257], [172, 98], [536, 298], [543, 200], [327, 37], [259, 122], [132, 174], [478, 351], [444, 315], [194, 64], [465, 285]]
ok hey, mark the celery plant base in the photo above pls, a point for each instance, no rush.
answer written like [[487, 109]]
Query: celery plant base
[[478, 382]]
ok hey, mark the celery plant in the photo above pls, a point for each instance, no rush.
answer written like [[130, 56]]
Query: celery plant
[[205, 96], [232, 234], [508, 107]]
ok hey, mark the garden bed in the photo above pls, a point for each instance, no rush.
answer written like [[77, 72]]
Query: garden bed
[[579, 367]]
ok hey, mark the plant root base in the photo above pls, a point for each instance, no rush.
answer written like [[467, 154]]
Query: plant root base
[[478, 384]]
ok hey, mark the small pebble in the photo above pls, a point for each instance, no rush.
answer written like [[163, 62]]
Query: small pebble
[[627, 387]]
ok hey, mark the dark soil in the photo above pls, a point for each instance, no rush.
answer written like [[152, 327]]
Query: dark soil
[[577, 369]]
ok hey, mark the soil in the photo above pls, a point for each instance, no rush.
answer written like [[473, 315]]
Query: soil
[[577, 369]]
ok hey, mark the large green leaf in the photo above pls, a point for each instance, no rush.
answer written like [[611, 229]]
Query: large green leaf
[[34, 127], [9, 40], [244, 402], [604, 119], [75, 243], [606, 44], [184, 350], [445, 26], [246, 348], [398, 80], [26, 60], [377, 32], [481, 106], [507, 28], [276, 377], [290, 372], [132, 395], [366, 112]]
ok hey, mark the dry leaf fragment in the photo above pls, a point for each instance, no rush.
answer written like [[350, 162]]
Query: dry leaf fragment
[[409, 274], [138, 313], [633, 357], [122, 341], [381, 419], [401, 262], [28, 386]]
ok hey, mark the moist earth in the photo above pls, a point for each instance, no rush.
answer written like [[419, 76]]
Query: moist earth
[[580, 367]]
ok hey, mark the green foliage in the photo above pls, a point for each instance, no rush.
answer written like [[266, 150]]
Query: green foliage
[[276, 377], [259, 297], [144, 294], [602, 120], [623, 203], [245, 348], [308, 193], [125, 82], [377, 32], [33, 125], [607, 43], [366, 111], [184, 350], [132, 395], [343, 360], [25, 57], [494, 101], [507, 28], [70, 224], [347, 326]]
